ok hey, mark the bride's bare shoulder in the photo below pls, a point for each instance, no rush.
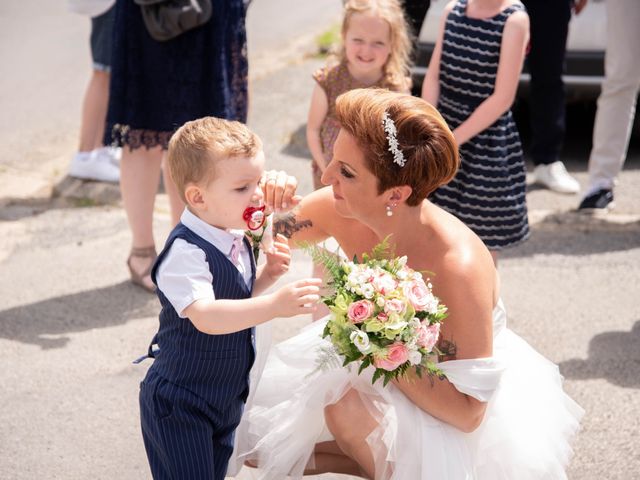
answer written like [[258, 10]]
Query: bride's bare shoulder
[[462, 254]]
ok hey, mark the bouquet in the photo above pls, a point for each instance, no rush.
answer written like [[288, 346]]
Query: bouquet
[[383, 314]]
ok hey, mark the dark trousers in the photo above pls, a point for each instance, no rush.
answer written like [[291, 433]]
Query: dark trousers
[[184, 436], [549, 21], [415, 11]]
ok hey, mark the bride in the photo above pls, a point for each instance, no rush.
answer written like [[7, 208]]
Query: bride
[[500, 413]]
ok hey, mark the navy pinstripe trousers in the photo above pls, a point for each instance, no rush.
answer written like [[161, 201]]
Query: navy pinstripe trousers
[[184, 436]]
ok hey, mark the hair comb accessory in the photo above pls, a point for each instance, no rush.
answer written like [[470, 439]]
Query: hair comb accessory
[[392, 138]]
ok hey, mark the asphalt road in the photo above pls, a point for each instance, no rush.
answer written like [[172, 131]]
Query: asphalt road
[[70, 323]]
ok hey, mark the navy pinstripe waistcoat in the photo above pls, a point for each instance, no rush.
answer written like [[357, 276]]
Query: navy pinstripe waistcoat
[[214, 367]]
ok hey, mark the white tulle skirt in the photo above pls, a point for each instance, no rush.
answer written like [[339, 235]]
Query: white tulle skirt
[[525, 433]]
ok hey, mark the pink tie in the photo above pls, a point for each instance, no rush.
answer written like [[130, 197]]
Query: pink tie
[[235, 250]]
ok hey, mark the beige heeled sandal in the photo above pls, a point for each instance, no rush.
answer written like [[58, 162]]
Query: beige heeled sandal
[[137, 278]]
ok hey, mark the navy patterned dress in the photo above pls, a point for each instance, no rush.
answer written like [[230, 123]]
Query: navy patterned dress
[[488, 191], [158, 86]]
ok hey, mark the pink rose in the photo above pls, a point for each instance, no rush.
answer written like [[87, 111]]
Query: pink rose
[[395, 355], [383, 317], [428, 336], [419, 295], [395, 305], [384, 283], [359, 311]]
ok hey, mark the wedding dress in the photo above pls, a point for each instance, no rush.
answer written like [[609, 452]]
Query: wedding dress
[[525, 433]]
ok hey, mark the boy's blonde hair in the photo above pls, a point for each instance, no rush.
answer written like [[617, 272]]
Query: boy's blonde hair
[[195, 148], [397, 68]]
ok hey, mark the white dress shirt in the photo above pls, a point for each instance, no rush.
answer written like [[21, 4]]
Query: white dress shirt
[[184, 275]]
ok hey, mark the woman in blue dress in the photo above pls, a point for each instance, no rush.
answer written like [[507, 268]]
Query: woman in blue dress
[[155, 88]]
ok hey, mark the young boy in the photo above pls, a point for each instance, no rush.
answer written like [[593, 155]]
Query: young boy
[[192, 397]]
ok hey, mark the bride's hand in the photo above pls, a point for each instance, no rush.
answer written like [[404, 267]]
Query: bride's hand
[[279, 190]]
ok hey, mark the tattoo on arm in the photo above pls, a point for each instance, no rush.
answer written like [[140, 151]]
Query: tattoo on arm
[[447, 349], [288, 224]]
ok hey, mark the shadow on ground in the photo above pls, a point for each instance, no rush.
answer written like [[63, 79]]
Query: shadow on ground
[[45, 323], [614, 356], [297, 145], [571, 233]]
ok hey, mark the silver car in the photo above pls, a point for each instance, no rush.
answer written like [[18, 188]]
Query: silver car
[[584, 70]]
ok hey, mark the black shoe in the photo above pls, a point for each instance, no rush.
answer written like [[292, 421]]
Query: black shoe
[[600, 200]]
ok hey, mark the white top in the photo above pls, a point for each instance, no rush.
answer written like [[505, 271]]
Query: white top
[[91, 8], [184, 275]]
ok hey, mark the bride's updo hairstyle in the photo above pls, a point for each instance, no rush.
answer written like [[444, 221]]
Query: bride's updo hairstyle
[[427, 145]]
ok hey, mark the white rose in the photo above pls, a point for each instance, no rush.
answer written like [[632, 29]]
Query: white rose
[[432, 305], [367, 290], [415, 357], [361, 340]]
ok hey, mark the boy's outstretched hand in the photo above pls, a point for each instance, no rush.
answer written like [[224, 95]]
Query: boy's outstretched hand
[[279, 259], [297, 298]]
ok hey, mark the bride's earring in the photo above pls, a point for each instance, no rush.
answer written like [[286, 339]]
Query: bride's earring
[[389, 211]]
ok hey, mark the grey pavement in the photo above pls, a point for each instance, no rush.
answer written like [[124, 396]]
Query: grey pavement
[[70, 322]]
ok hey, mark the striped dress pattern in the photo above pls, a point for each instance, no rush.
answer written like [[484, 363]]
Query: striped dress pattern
[[488, 192]]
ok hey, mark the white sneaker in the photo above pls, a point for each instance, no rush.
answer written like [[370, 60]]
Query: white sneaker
[[96, 165], [555, 177], [115, 154]]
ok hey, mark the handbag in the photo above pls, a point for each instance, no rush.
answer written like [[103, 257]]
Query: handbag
[[166, 19]]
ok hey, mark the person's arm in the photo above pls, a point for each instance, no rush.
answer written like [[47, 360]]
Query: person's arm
[[317, 113], [310, 221], [514, 42], [220, 316], [431, 84], [466, 287]]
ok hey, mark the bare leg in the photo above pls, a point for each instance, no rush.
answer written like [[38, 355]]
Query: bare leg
[[139, 179], [328, 458], [175, 199], [94, 111], [340, 418], [494, 255]]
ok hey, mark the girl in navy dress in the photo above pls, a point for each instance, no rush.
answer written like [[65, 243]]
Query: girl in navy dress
[[472, 79]]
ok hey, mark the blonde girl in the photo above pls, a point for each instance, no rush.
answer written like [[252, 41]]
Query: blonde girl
[[375, 52]]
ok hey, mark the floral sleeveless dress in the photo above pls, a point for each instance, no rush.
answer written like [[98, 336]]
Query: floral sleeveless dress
[[488, 191], [335, 80]]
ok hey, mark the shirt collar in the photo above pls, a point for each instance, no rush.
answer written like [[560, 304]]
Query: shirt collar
[[219, 238]]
